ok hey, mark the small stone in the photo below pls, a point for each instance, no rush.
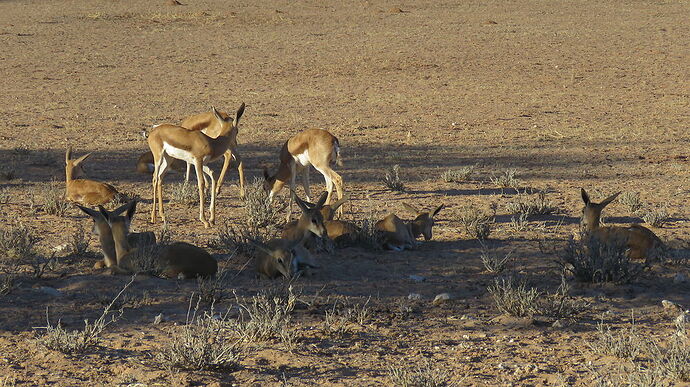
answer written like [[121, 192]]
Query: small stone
[[417, 278], [680, 278], [670, 305], [50, 291], [441, 298], [414, 296]]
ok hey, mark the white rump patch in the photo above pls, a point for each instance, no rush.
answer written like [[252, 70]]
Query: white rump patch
[[177, 153], [302, 158]]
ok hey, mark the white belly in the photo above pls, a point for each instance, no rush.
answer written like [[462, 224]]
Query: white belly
[[302, 159], [177, 153]]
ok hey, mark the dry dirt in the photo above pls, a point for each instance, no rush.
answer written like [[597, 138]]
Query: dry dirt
[[572, 94]]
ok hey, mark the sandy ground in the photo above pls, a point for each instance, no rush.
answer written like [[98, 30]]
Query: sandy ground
[[570, 93]]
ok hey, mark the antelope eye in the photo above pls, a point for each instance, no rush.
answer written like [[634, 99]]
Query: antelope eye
[[313, 220]]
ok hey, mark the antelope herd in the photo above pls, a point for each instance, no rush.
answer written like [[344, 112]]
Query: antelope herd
[[205, 137]]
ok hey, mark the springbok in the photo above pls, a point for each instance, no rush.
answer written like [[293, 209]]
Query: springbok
[[209, 125], [639, 240], [177, 260], [337, 230], [399, 235], [287, 256], [84, 191], [168, 142], [316, 147], [105, 235]]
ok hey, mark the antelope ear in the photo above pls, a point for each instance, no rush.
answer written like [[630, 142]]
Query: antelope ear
[[104, 213], [118, 211], [321, 201], [411, 208], [609, 199], [438, 209], [92, 213], [79, 160], [215, 113], [131, 210], [238, 115], [300, 203], [585, 196], [68, 155]]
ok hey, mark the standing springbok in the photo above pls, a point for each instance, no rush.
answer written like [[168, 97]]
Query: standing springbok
[[84, 191], [316, 147], [209, 125], [287, 256], [639, 240], [168, 142], [400, 235]]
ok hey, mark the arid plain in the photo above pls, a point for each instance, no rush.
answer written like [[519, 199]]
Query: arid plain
[[569, 94]]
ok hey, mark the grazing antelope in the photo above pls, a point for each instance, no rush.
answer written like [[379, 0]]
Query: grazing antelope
[[105, 235], [287, 256], [177, 260], [400, 235], [639, 240], [84, 191], [169, 142], [316, 147], [207, 124], [337, 230]]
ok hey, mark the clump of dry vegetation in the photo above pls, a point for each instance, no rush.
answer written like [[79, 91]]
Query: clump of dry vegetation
[[531, 205], [78, 341], [339, 319], [145, 257], [79, 241], [392, 179], [493, 263], [212, 290], [508, 179], [267, 316], [656, 217], [367, 235], [425, 375], [18, 248], [457, 175], [516, 299], [477, 224], [261, 221], [632, 200], [594, 260], [203, 343], [185, 193], [50, 199]]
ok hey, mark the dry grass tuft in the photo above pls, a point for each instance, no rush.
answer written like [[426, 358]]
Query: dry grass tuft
[[425, 375], [267, 316], [632, 200], [508, 179], [493, 263], [79, 242], [457, 175], [531, 205], [59, 339], [656, 217], [477, 225], [392, 179], [50, 199], [593, 260]]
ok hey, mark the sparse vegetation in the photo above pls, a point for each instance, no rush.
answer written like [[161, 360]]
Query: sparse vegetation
[[184, 193], [392, 179], [593, 260], [201, 344], [425, 375], [5, 195], [519, 222], [531, 205], [267, 316], [632, 200], [508, 179], [145, 257], [656, 217], [59, 339], [212, 290], [342, 315], [79, 241], [493, 263], [516, 299], [477, 224], [457, 175], [49, 198], [18, 248]]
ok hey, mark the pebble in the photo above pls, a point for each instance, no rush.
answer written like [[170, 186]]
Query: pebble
[[414, 296], [441, 298]]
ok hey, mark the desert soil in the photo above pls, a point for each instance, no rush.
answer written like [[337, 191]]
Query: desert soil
[[571, 94]]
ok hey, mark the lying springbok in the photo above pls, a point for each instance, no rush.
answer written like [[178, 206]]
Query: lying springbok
[[337, 230], [84, 191], [207, 124], [640, 241], [169, 142], [105, 235], [288, 256], [177, 260], [316, 147], [399, 235]]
